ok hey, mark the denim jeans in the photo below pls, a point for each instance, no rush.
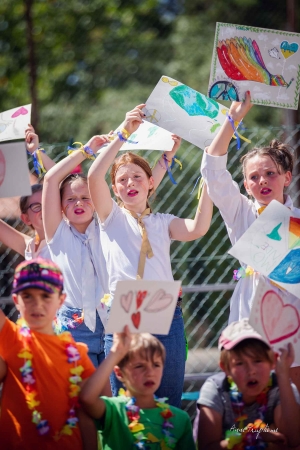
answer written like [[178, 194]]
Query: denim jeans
[[173, 375], [69, 319]]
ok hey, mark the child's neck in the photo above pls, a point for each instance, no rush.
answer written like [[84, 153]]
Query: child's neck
[[81, 228], [144, 401], [138, 209]]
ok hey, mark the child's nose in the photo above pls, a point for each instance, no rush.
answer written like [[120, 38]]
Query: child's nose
[[262, 180]]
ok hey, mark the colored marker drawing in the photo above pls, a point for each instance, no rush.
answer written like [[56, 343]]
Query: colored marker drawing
[[254, 59], [14, 122], [194, 103], [241, 59]]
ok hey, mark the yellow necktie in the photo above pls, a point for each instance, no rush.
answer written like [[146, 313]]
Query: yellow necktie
[[146, 249], [261, 209]]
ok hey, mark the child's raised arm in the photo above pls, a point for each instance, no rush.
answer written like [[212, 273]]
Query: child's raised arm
[[237, 112], [32, 145], [159, 169], [94, 385], [191, 229], [51, 202], [99, 189], [13, 238], [287, 414]]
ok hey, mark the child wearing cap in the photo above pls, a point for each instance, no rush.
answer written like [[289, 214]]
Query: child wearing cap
[[247, 406], [39, 401]]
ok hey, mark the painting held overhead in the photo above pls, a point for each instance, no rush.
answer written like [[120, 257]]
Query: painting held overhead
[[14, 175], [14, 122], [262, 61], [184, 111]]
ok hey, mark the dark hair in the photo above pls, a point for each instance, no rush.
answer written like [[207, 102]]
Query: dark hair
[[145, 345], [69, 180], [280, 154], [127, 158], [253, 348], [23, 203]]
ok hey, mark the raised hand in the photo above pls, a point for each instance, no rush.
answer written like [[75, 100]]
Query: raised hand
[[97, 141], [31, 139], [238, 110], [134, 118], [284, 360], [121, 343]]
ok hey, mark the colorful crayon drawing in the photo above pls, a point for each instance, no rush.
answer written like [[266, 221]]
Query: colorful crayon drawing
[[143, 305], [14, 122], [271, 246], [246, 57], [14, 175], [276, 318], [184, 111]]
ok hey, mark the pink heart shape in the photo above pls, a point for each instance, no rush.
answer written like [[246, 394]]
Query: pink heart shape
[[2, 167], [126, 301], [20, 112], [280, 321], [159, 301]]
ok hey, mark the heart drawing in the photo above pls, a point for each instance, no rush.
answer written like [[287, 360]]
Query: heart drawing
[[140, 297], [136, 319], [20, 112], [159, 301], [288, 49], [279, 321], [126, 301]]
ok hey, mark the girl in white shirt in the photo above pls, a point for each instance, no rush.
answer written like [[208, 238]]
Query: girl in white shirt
[[267, 172], [132, 183]]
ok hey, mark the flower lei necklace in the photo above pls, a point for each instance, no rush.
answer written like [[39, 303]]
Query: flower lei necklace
[[29, 381], [249, 438], [136, 428]]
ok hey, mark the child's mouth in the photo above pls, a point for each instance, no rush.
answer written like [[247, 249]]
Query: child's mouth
[[132, 193], [252, 383], [79, 211], [265, 191], [149, 383]]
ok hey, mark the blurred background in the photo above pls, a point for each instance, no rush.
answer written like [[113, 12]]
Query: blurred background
[[83, 64]]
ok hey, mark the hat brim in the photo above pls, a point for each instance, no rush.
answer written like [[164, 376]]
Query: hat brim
[[230, 344], [36, 285]]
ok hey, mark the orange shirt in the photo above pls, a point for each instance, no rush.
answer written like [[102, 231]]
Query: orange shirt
[[51, 372]]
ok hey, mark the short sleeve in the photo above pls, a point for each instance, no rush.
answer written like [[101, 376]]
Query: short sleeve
[[86, 363], [109, 218], [210, 397], [7, 334]]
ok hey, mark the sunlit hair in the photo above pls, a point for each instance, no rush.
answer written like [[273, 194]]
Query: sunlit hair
[[280, 154], [24, 200], [146, 346], [69, 180], [133, 158], [253, 348]]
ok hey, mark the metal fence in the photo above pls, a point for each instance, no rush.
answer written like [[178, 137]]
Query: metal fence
[[204, 266]]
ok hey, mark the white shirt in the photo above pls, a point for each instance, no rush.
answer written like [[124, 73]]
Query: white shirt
[[238, 213], [42, 250], [121, 244], [81, 261]]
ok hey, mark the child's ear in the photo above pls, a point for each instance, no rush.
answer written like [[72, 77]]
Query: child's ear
[[151, 183], [115, 190], [118, 373], [246, 187], [15, 300], [25, 219], [288, 178], [62, 298], [224, 368]]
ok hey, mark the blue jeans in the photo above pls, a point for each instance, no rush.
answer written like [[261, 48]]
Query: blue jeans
[[70, 319], [171, 385]]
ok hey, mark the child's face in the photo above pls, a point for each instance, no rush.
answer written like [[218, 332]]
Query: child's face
[[38, 308], [250, 373], [77, 204], [31, 217], [263, 181], [142, 377], [132, 186]]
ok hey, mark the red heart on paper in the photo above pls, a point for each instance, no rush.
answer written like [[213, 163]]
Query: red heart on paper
[[2, 167], [279, 321], [136, 318], [20, 112], [140, 298]]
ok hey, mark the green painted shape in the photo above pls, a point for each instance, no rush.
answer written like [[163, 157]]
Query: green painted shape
[[214, 127], [152, 131], [194, 103], [274, 233]]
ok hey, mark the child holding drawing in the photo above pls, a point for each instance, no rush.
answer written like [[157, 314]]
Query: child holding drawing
[[136, 419], [247, 406], [267, 172], [31, 211], [136, 243], [75, 245]]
